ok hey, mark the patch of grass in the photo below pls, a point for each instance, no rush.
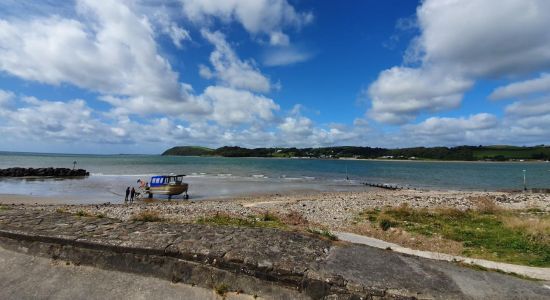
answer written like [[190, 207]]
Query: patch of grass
[[266, 220], [295, 219], [60, 210], [486, 232], [325, 233], [100, 216], [269, 217], [222, 289], [82, 213], [147, 216], [386, 223], [3, 207]]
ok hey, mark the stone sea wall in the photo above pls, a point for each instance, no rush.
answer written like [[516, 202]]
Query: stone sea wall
[[270, 263], [42, 172]]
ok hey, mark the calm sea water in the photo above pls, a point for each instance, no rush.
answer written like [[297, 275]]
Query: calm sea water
[[218, 176]]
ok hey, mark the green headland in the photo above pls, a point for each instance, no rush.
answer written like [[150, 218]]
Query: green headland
[[460, 153]]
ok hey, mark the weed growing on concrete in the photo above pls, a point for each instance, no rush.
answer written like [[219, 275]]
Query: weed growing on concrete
[[325, 233], [222, 289]]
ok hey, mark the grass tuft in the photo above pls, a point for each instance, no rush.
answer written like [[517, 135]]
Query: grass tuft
[[147, 216], [386, 224], [325, 233], [222, 289], [220, 219], [82, 213]]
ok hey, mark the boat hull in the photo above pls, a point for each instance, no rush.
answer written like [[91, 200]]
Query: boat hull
[[171, 189]]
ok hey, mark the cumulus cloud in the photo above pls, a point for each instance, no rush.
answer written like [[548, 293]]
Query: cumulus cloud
[[463, 41], [114, 53], [536, 107], [400, 93], [229, 69], [474, 129], [523, 88], [483, 38], [235, 107], [52, 120], [266, 16]]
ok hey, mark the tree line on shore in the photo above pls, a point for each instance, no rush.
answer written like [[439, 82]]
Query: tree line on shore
[[462, 153]]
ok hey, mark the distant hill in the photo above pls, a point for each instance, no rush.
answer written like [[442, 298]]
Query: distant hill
[[461, 153], [188, 151]]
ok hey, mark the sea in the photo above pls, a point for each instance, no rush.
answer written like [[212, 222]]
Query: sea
[[222, 177]]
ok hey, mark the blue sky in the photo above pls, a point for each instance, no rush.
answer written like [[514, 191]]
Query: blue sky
[[138, 76]]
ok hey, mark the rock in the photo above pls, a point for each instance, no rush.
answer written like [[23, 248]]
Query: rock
[[42, 172]]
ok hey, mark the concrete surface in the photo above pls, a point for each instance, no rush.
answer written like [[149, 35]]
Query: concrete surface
[[29, 277], [385, 270], [271, 263], [532, 272]]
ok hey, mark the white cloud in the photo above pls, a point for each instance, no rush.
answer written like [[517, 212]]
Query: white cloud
[[523, 88], [464, 40], [229, 69], [263, 16], [53, 120], [163, 19], [400, 93], [521, 109], [177, 34], [485, 38], [236, 107], [281, 56], [114, 53], [6, 98], [279, 39], [297, 126], [475, 129]]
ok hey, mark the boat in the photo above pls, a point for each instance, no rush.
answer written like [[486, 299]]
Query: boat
[[167, 185]]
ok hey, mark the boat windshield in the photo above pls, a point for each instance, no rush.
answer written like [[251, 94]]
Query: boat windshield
[[164, 180], [176, 179]]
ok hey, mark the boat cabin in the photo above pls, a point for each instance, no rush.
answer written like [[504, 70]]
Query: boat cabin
[[166, 180]]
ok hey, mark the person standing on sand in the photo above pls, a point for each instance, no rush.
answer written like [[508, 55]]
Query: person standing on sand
[[127, 194], [132, 194]]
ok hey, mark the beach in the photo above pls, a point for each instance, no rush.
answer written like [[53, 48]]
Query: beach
[[333, 209], [313, 196], [337, 211]]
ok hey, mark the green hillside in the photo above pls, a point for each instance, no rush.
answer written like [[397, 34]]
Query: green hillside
[[461, 153], [511, 152], [188, 151]]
